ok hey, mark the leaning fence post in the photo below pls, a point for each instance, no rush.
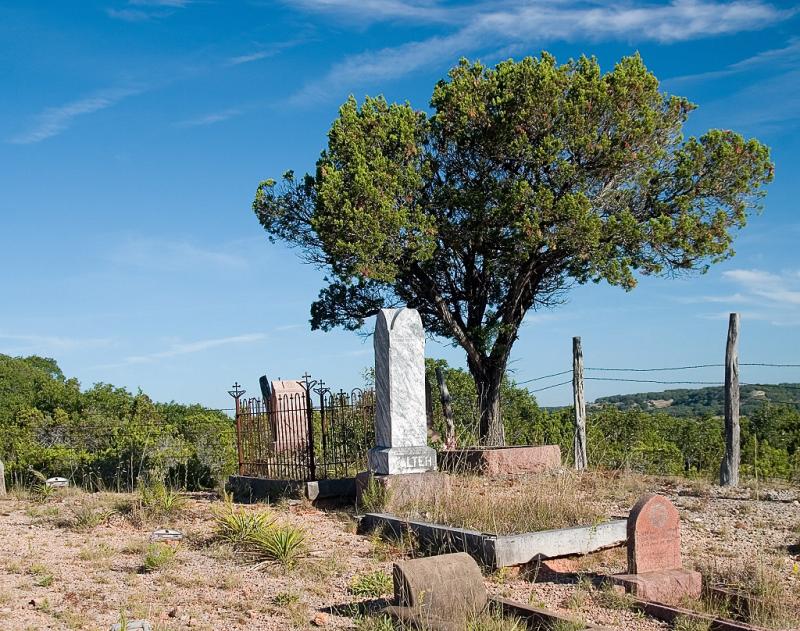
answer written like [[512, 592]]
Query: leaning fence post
[[447, 409], [2, 479], [579, 440], [729, 471]]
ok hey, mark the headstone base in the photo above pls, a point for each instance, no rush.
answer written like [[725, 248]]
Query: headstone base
[[665, 586], [393, 460]]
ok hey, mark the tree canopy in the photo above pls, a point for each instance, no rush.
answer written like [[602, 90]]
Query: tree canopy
[[521, 180]]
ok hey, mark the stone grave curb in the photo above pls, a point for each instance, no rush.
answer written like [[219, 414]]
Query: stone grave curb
[[497, 551], [668, 613], [539, 616]]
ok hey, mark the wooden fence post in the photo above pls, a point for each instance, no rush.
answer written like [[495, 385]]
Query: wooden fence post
[[579, 440], [447, 409], [2, 479], [729, 471]]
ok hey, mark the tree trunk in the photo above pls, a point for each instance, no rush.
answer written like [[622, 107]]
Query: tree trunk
[[487, 384]]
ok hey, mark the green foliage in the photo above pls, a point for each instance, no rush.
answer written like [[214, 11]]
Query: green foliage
[[284, 544], [374, 496], [238, 526], [371, 584], [105, 437], [158, 556], [523, 179], [157, 501]]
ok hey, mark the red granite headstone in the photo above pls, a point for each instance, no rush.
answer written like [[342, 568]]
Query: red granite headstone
[[654, 536]]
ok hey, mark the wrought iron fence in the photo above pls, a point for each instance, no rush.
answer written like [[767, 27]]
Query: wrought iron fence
[[310, 433]]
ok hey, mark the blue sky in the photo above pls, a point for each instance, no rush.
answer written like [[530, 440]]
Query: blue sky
[[133, 134]]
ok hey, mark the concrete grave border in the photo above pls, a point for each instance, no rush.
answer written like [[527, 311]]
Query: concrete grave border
[[248, 489], [668, 613], [496, 551]]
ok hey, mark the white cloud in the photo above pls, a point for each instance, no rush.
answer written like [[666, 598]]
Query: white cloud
[[779, 289], [380, 10], [151, 9], [537, 23], [48, 344], [167, 255], [210, 119], [769, 297], [187, 348], [55, 120], [788, 55]]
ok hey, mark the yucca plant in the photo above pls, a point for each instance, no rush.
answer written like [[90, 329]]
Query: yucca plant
[[40, 491], [238, 526], [159, 501], [282, 544], [372, 584]]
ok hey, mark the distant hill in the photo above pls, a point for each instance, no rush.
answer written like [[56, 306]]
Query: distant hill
[[706, 401]]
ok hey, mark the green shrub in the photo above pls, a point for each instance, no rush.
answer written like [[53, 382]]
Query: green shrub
[[156, 500], [158, 556], [372, 584]]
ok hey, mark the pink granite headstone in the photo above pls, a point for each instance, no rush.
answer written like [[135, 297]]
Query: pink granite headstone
[[289, 415], [654, 536]]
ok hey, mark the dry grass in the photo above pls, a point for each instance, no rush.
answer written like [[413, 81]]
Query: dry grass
[[498, 506], [771, 601]]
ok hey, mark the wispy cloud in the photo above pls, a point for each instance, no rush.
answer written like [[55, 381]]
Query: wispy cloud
[[381, 10], [167, 255], [788, 55], [536, 23], [149, 9], [768, 296], [14, 344], [199, 346], [54, 120], [210, 119]]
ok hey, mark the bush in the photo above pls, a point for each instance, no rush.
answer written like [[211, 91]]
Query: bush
[[158, 556], [372, 584]]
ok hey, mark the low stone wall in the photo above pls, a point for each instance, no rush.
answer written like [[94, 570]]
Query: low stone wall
[[501, 460], [247, 489]]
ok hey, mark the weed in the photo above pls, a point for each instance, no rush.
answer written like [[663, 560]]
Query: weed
[[158, 556], [285, 599], [610, 597], [98, 552], [375, 496], [372, 584], [374, 623], [88, 515], [44, 577], [156, 500], [685, 623]]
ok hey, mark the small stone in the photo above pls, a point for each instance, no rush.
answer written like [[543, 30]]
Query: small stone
[[320, 620], [173, 613]]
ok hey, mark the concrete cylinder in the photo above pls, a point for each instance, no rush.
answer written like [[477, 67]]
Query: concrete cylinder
[[448, 586]]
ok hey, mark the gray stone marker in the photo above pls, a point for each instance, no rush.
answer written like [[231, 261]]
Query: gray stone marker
[[166, 535], [401, 432], [2, 479], [57, 483]]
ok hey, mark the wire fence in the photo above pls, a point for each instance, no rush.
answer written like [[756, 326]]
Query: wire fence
[[665, 382]]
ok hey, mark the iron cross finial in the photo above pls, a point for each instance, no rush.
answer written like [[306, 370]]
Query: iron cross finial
[[237, 390]]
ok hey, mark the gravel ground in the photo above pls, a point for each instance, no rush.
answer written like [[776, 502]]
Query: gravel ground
[[52, 577]]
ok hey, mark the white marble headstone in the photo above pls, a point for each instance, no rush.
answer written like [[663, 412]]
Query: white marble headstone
[[401, 430]]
